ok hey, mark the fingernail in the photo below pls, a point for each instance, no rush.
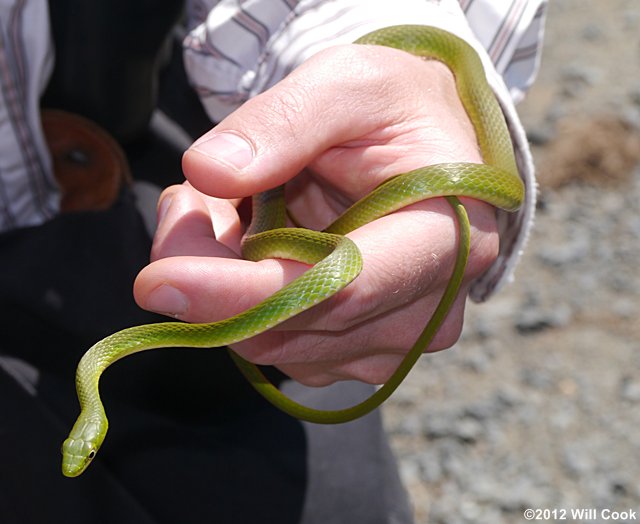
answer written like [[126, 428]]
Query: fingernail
[[167, 300], [227, 148]]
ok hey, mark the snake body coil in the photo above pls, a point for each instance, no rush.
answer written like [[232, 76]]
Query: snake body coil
[[336, 259]]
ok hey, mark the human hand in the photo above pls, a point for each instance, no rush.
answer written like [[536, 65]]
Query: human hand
[[347, 119]]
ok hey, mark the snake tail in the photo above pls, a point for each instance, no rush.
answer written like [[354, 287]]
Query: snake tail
[[320, 416]]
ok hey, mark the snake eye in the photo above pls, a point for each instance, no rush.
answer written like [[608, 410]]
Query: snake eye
[[91, 454]]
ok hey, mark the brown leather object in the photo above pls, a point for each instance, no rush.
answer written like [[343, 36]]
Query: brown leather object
[[88, 163]]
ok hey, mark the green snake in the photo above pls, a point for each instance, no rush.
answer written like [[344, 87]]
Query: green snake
[[335, 258]]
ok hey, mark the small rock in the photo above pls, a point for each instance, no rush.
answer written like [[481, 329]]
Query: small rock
[[468, 429], [477, 359], [592, 33], [541, 135], [570, 251], [631, 20], [535, 319], [494, 406], [563, 416], [430, 467], [409, 470], [576, 77], [630, 389], [537, 378], [409, 425], [577, 461]]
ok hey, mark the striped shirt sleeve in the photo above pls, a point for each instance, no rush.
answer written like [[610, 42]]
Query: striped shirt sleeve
[[238, 49], [511, 32], [28, 192]]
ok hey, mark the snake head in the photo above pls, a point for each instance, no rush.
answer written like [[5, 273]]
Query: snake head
[[82, 445]]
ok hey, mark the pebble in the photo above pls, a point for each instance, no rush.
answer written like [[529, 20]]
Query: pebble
[[592, 33], [541, 135], [575, 78], [567, 252], [630, 389], [535, 319], [577, 461]]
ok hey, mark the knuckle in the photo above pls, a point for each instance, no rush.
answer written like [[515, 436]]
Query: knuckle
[[338, 314], [451, 329], [483, 254], [266, 349], [485, 238], [288, 106], [374, 370], [312, 379], [157, 251], [347, 310]]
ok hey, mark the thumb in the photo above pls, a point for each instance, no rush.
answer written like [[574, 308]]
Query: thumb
[[274, 135]]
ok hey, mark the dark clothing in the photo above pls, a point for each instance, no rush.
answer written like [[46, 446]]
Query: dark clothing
[[189, 439]]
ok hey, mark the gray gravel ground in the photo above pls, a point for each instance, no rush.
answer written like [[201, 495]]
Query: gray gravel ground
[[538, 405]]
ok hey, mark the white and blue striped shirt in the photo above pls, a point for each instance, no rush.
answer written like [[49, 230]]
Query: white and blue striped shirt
[[236, 49]]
